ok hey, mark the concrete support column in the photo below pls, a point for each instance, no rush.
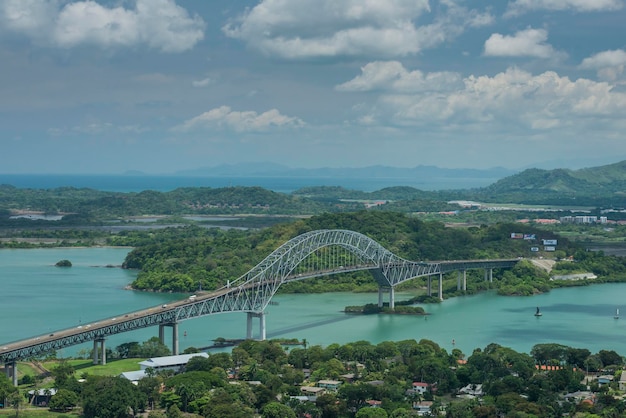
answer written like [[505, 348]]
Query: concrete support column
[[10, 369], [458, 280], [261, 316], [392, 298], [99, 351], [262, 325], [95, 352], [104, 352], [430, 293], [464, 280], [486, 275], [174, 326], [380, 297], [249, 326], [175, 338], [490, 275], [162, 333], [440, 286]]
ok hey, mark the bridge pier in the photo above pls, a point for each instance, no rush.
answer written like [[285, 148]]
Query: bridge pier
[[428, 286], [102, 349], [261, 316], [440, 286], [489, 275], [392, 297], [174, 326], [10, 369], [458, 280]]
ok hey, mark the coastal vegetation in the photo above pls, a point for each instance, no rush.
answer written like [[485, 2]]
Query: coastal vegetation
[[192, 258], [392, 378], [591, 189], [187, 259], [263, 378]]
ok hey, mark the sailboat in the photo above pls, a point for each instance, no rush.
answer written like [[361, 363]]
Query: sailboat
[[538, 313], [616, 313]]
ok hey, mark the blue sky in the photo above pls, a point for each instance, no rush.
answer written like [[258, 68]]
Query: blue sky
[[165, 85]]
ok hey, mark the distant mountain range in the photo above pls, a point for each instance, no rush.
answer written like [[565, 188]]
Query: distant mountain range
[[603, 186], [376, 171]]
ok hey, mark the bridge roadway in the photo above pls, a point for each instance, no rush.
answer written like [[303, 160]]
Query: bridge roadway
[[221, 300], [252, 292]]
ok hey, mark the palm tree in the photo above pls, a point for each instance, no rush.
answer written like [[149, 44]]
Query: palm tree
[[48, 393]]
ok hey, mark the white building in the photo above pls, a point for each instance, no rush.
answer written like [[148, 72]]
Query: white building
[[175, 363], [158, 364]]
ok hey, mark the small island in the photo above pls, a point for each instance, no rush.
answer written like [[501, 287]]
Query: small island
[[372, 308], [64, 263]]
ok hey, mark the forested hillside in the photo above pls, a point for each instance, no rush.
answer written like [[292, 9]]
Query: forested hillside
[[89, 204], [603, 186], [185, 259], [598, 187]]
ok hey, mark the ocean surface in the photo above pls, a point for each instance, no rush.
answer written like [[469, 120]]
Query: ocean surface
[[138, 183], [39, 298]]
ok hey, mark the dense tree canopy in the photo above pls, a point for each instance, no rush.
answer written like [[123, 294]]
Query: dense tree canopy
[[192, 258]]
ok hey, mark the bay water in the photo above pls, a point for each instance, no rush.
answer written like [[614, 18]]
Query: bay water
[[38, 298]]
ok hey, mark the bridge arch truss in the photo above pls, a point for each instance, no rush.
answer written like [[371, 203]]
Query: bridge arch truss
[[252, 292]]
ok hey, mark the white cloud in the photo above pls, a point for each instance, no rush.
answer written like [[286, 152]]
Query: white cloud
[[529, 42], [202, 83], [518, 7], [158, 24], [302, 29], [392, 76], [97, 128], [514, 99], [609, 64], [28, 16], [249, 121]]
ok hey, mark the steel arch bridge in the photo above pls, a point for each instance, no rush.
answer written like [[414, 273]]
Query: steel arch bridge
[[312, 254]]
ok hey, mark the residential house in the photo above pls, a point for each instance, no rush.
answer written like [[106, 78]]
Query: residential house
[[423, 407], [622, 381], [331, 385], [471, 391], [420, 388], [312, 392]]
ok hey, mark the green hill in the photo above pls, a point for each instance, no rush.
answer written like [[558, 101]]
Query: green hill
[[604, 185]]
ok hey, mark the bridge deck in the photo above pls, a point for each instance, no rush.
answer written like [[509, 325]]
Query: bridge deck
[[227, 299]]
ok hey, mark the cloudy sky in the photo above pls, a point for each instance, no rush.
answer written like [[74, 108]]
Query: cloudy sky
[[106, 86]]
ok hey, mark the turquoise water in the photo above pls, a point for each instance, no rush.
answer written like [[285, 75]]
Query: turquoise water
[[37, 298]]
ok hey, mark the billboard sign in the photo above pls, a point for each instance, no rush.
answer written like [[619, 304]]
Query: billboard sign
[[549, 248], [534, 249], [549, 242], [530, 236], [517, 235]]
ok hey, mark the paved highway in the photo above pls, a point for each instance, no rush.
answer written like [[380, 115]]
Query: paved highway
[[92, 328]]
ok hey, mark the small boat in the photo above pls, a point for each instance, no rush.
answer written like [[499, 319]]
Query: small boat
[[616, 314], [538, 313]]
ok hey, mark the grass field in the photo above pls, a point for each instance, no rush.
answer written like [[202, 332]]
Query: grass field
[[82, 367], [36, 413], [112, 368]]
